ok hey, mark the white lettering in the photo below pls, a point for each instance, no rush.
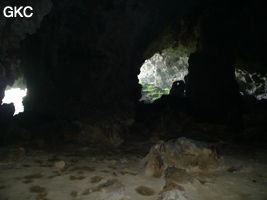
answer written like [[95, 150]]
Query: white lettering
[[8, 12], [30, 12], [15, 11]]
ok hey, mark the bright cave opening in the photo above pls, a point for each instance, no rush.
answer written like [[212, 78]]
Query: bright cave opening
[[254, 84], [15, 94], [159, 72]]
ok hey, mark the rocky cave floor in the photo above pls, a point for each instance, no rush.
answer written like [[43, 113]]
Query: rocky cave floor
[[74, 172]]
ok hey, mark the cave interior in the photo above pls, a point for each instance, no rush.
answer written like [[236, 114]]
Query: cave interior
[[128, 99]]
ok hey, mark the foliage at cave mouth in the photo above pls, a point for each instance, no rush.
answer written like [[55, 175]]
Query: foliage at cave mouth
[[158, 73]]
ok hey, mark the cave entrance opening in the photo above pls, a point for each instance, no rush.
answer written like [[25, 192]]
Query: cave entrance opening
[[15, 94], [254, 84], [158, 73]]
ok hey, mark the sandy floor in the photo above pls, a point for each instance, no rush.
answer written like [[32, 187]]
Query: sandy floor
[[116, 175]]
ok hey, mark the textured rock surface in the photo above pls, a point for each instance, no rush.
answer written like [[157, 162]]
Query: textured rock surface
[[173, 195], [59, 165], [94, 174], [175, 175], [180, 153]]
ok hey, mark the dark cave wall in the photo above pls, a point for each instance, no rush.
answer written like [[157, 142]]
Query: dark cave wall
[[84, 56], [211, 84], [231, 35], [12, 32]]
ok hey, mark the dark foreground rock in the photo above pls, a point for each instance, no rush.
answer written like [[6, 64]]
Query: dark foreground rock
[[182, 153]]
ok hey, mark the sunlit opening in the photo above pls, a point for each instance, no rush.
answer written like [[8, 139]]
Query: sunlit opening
[[158, 73], [15, 96], [254, 84]]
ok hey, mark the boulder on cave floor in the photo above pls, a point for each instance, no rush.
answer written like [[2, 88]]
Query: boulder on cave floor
[[181, 153]]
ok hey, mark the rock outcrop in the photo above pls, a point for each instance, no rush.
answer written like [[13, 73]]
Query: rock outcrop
[[183, 154]]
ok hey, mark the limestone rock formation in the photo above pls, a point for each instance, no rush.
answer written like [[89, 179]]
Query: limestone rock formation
[[181, 153]]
